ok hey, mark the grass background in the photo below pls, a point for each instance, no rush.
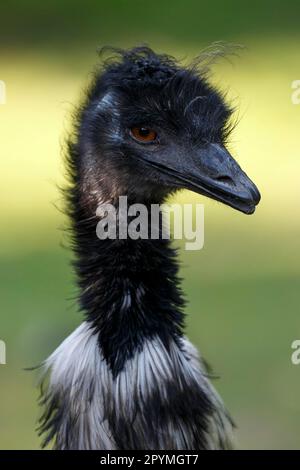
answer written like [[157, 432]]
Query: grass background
[[243, 287]]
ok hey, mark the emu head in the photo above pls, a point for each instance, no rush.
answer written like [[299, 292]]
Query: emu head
[[150, 127]]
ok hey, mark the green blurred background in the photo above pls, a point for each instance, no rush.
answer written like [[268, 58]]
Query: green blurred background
[[243, 287]]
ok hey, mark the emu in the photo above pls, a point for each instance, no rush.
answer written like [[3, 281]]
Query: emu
[[127, 378]]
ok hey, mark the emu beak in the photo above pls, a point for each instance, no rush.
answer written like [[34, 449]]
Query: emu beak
[[213, 172], [217, 175]]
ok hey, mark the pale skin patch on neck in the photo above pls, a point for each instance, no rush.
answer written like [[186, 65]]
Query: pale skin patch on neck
[[99, 189]]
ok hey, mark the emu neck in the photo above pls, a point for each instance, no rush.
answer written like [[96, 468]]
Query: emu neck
[[129, 290]]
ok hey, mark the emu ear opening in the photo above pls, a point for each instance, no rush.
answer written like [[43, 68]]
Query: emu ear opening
[[106, 101]]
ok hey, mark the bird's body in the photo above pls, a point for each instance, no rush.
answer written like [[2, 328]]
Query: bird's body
[[127, 378], [162, 398]]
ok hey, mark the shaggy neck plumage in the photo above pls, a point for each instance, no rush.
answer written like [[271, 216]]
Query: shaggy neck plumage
[[128, 288]]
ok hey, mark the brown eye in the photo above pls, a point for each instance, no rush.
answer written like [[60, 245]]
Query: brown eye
[[143, 134]]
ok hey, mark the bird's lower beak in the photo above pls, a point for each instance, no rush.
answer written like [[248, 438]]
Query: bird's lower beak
[[213, 172]]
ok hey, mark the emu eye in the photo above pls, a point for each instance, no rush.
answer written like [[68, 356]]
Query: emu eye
[[143, 134]]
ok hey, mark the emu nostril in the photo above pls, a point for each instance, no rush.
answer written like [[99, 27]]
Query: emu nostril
[[224, 179]]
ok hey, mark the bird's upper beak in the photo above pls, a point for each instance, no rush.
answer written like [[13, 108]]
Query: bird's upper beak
[[213, 172]]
